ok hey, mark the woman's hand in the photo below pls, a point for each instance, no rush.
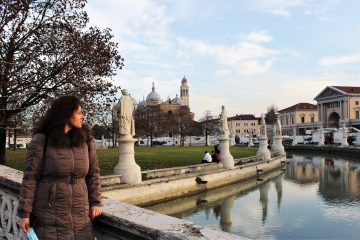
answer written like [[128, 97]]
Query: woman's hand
[[95, 212], [25, 224]]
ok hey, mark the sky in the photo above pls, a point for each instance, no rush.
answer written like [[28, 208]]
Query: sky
[[243, 54]]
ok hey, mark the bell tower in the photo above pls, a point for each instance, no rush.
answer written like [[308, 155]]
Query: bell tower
[[184, 92]]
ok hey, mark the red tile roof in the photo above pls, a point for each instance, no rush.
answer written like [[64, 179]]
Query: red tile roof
[[299, 106], [243, 117], [347, 89]]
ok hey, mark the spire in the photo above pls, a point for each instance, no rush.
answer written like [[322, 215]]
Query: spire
[[153, 86]]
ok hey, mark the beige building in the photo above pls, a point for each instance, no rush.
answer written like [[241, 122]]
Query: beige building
[[302, 116], [244, 125], [338, 105]]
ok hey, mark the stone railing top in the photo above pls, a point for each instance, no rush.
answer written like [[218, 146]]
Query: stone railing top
[[130, 220], [11, 177], [157, 225]]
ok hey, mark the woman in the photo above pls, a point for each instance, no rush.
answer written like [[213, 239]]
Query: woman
[[61, 183]]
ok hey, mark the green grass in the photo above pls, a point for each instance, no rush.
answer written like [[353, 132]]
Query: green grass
[[147, 158]]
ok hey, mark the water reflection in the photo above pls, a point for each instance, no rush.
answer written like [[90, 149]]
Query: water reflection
[[317, 197], [338, 180]]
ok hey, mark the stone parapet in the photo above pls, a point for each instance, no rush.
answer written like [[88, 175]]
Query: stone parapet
[[353, 151], [166, 188], [119, 220]]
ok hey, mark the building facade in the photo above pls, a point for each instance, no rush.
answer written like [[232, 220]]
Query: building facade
[[338, 105], [244, 125], [302, 116]]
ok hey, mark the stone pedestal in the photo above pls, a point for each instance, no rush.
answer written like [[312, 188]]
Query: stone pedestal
[[232, 140], [225, 156], [344, 142], [263, 151], [294, 141], [277, 146], [321, 138], [128, 169], [250, 143]]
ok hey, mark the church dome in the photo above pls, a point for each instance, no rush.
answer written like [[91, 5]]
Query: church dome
[[184, 80], [153, 97], [134, 102], [177, 100]]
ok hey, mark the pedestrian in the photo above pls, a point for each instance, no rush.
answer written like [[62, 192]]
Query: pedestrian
[[207, 158], [60, 190]]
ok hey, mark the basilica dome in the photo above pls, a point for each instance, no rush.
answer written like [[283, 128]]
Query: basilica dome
[[177, 100], [153, 97]]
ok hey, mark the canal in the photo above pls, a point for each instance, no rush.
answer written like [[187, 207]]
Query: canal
[[313, 197]]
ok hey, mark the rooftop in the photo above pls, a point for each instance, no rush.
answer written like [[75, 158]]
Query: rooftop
[[299, 106]]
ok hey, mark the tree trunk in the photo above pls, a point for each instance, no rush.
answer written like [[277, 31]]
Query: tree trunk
[[2, 145], [206, 138], [14, 138]]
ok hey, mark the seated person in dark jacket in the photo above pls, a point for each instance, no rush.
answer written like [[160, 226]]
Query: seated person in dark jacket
[[216, 153]]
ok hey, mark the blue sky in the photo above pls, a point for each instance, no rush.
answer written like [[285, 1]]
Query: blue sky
[[244, 54]]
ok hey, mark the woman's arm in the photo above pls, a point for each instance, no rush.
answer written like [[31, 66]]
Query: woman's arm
[[93, 177], [32, 173]]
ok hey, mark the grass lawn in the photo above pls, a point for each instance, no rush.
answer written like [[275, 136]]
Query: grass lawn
[[148, 158]]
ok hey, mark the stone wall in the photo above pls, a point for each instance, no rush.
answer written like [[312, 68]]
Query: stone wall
[[119, 221], [166, 188], [350, 151]]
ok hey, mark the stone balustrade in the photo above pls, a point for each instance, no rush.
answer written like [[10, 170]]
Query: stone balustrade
[[119, 220]]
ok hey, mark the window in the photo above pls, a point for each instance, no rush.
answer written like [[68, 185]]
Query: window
[[292, 120], [287, 121], [302, 119], [357, 115], [312, 119], [332, 104], [245, 124], [356, 102]]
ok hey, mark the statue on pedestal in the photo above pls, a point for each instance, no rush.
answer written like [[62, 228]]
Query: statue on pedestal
[[128, 169], [125, 115], [223, 128], [224, 141]]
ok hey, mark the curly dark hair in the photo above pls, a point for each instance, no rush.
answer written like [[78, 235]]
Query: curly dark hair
[[56, 117]]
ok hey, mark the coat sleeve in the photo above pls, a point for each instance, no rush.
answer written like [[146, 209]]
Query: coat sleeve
[[93, 178], [32, 173]]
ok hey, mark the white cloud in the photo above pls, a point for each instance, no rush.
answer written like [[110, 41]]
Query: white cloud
[[244, 58], [330, 61], [275, 7], [223, 73], [254, 67], [257, 37]]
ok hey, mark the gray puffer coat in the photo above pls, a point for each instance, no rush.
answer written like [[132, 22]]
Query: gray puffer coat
[[59, 189]]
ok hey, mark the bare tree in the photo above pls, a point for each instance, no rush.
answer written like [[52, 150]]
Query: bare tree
[[46, 50], [209, 124], [183, 123]]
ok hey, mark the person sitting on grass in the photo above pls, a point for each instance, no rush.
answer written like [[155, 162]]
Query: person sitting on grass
[[207, 158], [216, 154]]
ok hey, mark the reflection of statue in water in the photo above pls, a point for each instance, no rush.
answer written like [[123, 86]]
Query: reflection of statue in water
[[125, 114], [223, 127]]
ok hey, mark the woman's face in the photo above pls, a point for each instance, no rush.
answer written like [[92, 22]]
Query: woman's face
[[76, 118]]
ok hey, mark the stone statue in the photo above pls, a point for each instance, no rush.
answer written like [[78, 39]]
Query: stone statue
[[125, 114], [278, 128], [263, 126], [224, 128]]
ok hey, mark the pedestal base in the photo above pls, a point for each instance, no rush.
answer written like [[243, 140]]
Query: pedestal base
[[277, 147], [225, 156], [344, 143], [263, 151], [128, 169]]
